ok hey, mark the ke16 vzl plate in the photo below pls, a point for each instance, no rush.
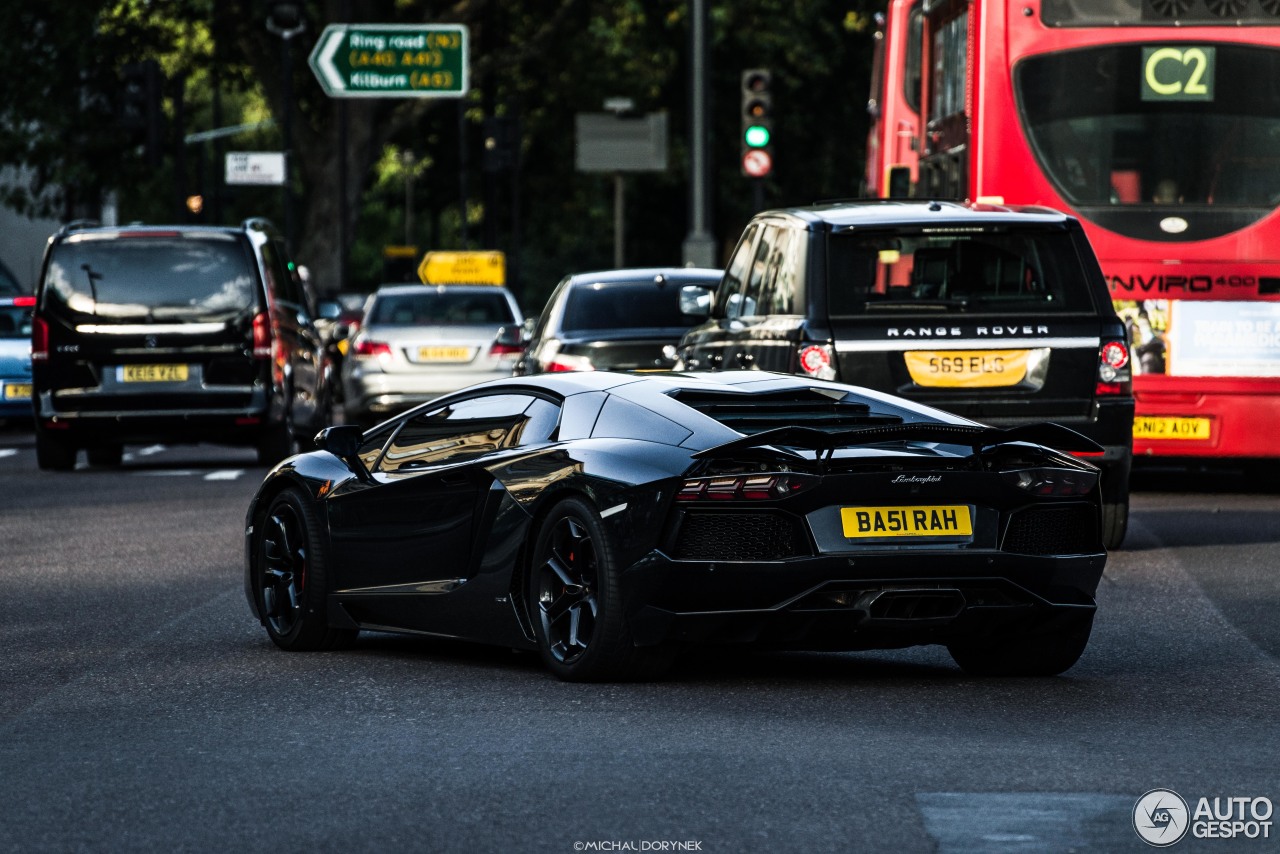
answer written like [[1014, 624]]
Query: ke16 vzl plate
[[967, 368], [942, 520], [17, 391], [444, 354], [1170, 427], [152, 373]]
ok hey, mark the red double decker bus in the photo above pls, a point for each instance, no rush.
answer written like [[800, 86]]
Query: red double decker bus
[[1157, 123]]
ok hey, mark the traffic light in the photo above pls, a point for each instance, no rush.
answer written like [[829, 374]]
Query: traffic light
[[757, 123], [141, 113]]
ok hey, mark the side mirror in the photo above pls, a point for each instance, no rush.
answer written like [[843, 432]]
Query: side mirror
[[695, 301], [344, 441]]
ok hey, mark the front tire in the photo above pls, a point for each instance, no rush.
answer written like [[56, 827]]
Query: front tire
[[574, 598], [291, 576], [1046, 654]]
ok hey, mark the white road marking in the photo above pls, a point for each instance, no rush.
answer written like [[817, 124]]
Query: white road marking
[[226, 474], [7, 452]]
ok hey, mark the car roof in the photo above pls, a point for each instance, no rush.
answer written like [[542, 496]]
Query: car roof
[[185, 229], [917, 212], [641, 274], [411, 288]]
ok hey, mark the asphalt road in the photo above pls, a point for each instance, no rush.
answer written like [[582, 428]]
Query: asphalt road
[[143, 709]]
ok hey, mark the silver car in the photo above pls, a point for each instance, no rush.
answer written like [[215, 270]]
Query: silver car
[[418, 342]]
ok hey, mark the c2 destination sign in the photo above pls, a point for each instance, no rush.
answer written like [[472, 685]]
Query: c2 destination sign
[[391, 60]]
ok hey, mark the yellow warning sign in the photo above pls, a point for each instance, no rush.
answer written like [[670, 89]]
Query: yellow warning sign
[[463, 268]]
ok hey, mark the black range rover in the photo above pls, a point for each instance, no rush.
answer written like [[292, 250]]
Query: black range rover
[[995, 313], [173, 333]]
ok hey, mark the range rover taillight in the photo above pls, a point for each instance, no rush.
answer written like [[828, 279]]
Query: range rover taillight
[[818, 361], [39, 339], [1115, 375]]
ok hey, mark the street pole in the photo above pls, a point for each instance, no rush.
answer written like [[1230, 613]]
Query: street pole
[[285, 20], [619, 212], [699, 245]]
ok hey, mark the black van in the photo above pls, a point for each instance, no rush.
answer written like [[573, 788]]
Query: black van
[[998, 314], [173, 334]]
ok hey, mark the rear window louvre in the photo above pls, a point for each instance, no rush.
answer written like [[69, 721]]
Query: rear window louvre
[[755, 413]]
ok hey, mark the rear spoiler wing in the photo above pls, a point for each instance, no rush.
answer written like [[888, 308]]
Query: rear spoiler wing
[[1046, 433]]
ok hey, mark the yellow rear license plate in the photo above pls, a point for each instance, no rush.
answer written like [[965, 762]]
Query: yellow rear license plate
[[17, 391], [1170, 427], [967, 368], [153, 373], [444, 354], [944, 520]]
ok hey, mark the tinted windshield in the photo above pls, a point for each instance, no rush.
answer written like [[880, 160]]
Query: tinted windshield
[[1034, 270], [629, 305], [436, 308], [1165, 123], [158, 278]]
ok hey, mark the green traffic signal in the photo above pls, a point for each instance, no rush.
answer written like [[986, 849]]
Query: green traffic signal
[[756, 136]]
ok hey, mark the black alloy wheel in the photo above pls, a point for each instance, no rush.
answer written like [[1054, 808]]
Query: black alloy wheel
[[290, 577], [568, 590], [575, 601]]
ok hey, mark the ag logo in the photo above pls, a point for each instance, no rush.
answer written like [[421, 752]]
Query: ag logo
[[1160, 817]]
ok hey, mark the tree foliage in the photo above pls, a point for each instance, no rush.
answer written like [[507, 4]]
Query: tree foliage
[[537, 62]]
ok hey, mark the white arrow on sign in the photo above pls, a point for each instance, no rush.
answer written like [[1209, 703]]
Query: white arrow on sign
[[321, 60]]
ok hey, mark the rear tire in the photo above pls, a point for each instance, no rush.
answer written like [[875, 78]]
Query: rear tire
[[106, 456], [276, 443], [1024, 655], [54, 454], [575, 600], [291, 576], [1115, 522]]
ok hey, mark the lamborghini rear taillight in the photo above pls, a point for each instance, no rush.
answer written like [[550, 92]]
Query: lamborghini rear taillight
[[762, 487], [1052, 482]]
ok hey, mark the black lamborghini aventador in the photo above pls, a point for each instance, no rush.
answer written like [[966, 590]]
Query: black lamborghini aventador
[[608, 520]]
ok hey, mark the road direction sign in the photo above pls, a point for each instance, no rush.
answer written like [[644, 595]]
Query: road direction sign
[[463, 268], [391, 60]]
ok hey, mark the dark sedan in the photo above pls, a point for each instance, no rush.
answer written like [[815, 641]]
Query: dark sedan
[[607, 520], [614, 320]]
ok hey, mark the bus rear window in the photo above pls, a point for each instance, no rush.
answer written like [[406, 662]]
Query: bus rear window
[[972, 272]]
